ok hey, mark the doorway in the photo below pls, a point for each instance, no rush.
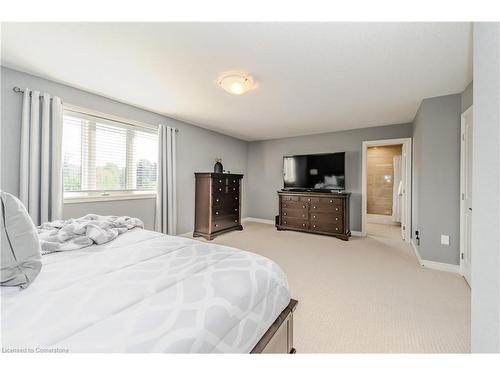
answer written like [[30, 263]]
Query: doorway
[[387, 189], [466, 193]]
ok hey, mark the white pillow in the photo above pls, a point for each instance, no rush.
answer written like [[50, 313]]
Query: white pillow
[[20, 255]]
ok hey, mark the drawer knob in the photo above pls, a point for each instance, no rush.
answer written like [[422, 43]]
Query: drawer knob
[[236, 221], [336, 228], [236, 209], [309, 199], [314, 206], [284, 214], [336, 208], [216, 225], [331, 201], [303, 206], [303, 225], [217, 200], [220, 189], [285, 221], [336, 219], [220, 180], [314, 216], [234, 189], [314, 226], [284, 205], [234, 181], [216, 212]]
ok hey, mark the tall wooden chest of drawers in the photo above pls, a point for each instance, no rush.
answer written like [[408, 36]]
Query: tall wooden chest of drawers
[[321, 213], [217, 204]]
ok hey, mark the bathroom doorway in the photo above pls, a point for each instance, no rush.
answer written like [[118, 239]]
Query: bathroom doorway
[[386, 176]]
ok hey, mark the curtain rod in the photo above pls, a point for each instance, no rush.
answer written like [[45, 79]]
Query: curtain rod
[[20, 90]]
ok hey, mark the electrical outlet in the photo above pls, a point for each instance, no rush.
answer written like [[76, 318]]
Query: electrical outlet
[[445, 240]]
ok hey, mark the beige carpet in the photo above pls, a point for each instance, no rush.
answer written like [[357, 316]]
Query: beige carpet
[[364, 295]]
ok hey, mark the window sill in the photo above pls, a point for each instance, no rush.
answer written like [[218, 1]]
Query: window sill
[[107, 198]]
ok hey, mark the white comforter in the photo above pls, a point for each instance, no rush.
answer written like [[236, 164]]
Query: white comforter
[[146, 292], [74, 234]]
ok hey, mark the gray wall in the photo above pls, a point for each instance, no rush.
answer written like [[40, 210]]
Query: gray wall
[[196, 149], [265, 165], [485, 319], [436, 177], [467, 97]]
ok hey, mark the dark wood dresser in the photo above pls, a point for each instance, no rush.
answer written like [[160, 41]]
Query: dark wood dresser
[[217, 204], [322, 213]]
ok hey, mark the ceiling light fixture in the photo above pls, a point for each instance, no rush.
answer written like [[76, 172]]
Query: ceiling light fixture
[[236, 83]]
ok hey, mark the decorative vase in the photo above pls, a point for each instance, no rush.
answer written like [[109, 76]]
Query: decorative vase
[[218, 168]]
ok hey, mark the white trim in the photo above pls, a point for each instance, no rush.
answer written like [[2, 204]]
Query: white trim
[[417, 254], [257, 220], [107, 116], [356, 233], [462, 185], [187, 234], [115, 197], [454, 268], [446, 267], [364, 202]]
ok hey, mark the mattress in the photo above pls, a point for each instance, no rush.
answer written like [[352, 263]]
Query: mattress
[[146, 292]]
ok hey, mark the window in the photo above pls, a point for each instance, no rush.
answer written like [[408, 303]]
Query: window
[[107, 158]]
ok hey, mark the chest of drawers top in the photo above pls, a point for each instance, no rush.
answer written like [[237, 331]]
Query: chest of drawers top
[[218, 175]]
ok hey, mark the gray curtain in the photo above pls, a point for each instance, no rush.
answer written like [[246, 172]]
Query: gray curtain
[[41, 182], [166, 208]]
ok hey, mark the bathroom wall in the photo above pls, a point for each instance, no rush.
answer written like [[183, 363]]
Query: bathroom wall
[[380, 181]]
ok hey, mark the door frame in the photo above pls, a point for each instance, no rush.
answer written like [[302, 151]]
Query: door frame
[[364, 188], [462, 185]]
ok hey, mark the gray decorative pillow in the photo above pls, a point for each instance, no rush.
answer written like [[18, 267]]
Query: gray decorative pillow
[[20, 259]]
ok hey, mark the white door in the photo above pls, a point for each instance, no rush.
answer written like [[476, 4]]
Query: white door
[[466, 194], [403, 196]]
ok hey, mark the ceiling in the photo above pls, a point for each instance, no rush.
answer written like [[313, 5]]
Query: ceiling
[[311, 77]]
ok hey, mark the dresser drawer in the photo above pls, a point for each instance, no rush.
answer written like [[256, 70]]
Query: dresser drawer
[[219, 181], [327, 217], [227, 209], [293, 205], [310, 199], [322, 226], [233, 181], [294, 213], [289, 198], [326, 207], [331, 201], [225, 199], [295, 223], [224, 222]]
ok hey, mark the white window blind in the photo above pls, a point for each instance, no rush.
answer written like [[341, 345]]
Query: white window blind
[[104, 157]]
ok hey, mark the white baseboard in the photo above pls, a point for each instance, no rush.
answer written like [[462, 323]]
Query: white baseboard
[[357, 233], [187, 234], [257, 220], [441, 266], [434, 265]]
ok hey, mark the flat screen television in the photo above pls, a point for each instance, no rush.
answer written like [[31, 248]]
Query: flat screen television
[[319, 172]]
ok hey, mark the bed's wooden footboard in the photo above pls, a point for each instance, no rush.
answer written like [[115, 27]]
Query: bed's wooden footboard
[[279, 337]]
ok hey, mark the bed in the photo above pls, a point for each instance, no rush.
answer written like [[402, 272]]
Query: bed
[[149, 292]]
